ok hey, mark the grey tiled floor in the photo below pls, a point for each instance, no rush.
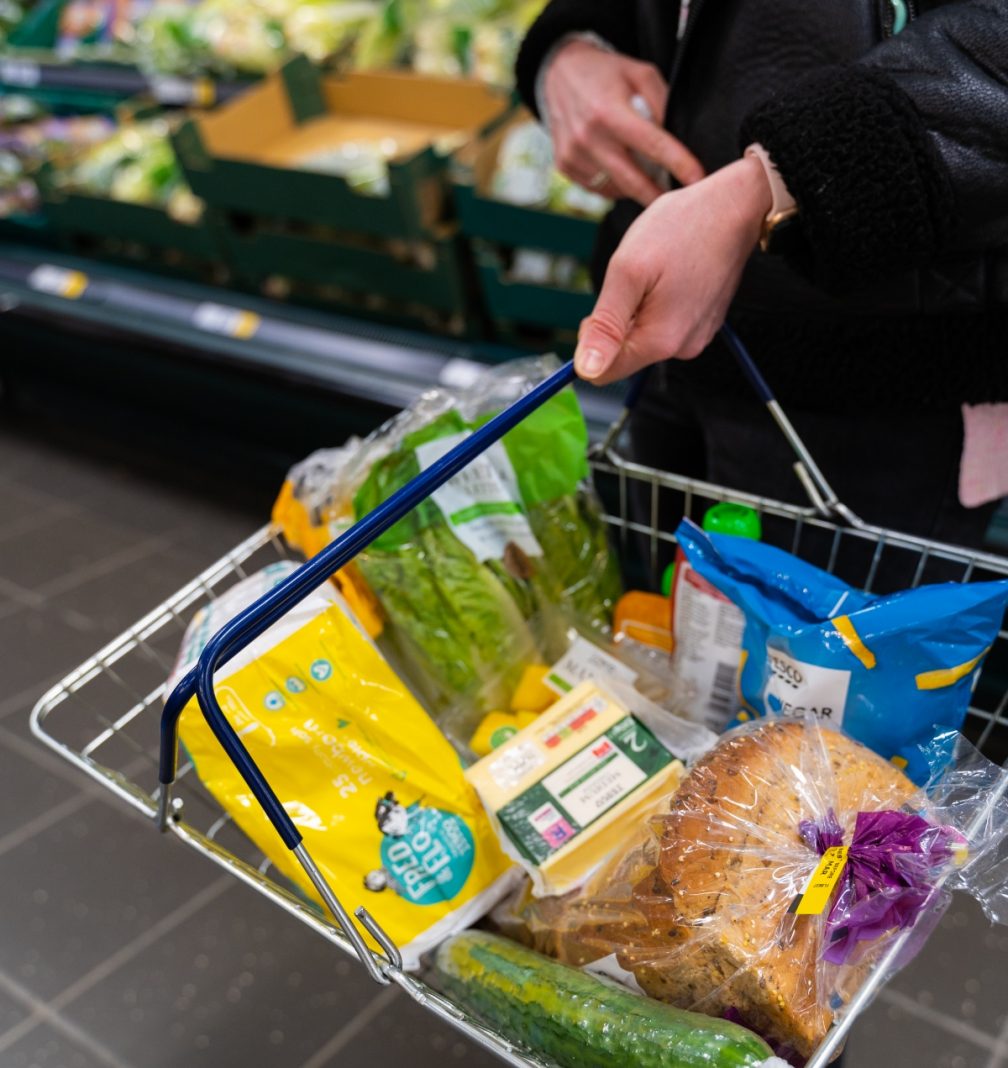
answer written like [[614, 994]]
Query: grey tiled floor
[[119, 949]]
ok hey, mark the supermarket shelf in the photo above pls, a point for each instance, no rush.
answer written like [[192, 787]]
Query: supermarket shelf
[[380, 364], [29, 73]]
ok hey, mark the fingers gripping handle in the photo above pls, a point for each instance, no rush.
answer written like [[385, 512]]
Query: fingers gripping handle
[[248, 625]]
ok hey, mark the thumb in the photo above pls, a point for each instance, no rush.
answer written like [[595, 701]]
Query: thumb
[[602, 334]]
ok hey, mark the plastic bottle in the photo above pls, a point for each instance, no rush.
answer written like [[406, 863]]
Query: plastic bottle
[[707, 626]]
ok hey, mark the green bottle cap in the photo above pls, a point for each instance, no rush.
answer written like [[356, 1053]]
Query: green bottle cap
[[668, 577], [729, 518]]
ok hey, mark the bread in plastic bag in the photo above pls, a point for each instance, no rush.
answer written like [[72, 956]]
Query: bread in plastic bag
[[699, 906]]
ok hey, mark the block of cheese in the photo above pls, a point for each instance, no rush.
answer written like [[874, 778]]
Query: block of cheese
[[564, 791]]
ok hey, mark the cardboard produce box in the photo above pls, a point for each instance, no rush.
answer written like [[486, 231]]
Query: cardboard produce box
[[255, 154]]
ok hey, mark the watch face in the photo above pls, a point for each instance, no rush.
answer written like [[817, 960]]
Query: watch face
[[785, 235]]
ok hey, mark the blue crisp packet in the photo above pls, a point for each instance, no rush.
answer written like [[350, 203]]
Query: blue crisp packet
[[886, 669]]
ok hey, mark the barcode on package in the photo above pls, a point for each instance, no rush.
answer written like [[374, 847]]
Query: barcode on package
[[722, 699]]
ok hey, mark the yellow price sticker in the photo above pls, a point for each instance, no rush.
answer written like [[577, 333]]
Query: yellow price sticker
[[816, 896], [58, 281], [204, 92], [246, 324], [231, 322]]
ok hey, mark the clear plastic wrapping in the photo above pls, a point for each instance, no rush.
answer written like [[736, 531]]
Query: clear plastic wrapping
[[581, 652], [724, 902], [477, 583]]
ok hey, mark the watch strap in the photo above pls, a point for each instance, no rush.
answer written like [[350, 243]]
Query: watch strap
[[782, 204]]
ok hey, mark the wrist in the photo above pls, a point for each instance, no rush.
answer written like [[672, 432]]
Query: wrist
[[752, 194], [580, 41], [575, 43], [758, 185], [779, 218]]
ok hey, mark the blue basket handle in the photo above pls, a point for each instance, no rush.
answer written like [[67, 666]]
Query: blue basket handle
[[258, 617], [748, 364], [820, 492]]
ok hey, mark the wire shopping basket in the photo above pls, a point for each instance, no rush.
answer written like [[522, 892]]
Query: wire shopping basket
[[112, 718]]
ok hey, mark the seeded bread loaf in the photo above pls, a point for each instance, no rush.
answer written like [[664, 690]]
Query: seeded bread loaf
[[700, 915]]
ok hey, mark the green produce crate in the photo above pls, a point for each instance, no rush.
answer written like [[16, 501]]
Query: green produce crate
[[410, 282], [497, 230], [236, 159], [28, 230], [436, 283], [515, 304], [40, 26], [481, 216], [123, 232]]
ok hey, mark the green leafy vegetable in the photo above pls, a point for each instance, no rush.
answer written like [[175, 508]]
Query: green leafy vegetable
[[456, 614], [468, 628]]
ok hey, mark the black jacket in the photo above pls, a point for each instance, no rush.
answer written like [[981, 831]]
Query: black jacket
[[896, 150]]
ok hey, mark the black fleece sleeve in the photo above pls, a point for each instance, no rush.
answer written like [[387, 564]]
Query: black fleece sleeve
[[613, 21], [895, 157]]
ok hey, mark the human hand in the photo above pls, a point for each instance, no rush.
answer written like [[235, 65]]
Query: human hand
[[596, 130], [668, 285]]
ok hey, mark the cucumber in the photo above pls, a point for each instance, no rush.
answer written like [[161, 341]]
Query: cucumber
[[579, 1021]]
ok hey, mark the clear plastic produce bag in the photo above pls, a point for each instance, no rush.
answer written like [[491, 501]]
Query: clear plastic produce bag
[[481, 581]]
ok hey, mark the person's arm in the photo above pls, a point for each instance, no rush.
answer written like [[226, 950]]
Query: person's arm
[[890, 160], [894, 157], [615, 23]]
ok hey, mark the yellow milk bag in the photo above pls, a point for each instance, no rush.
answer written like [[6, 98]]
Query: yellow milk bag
[[375, 789]]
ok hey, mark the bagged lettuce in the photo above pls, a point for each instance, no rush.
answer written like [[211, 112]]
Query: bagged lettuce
[[456, 598], [479, 581]]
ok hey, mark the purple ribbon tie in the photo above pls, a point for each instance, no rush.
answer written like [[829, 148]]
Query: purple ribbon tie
[[893, 863]]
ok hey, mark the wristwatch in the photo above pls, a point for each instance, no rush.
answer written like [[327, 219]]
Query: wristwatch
[[780, 230]]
